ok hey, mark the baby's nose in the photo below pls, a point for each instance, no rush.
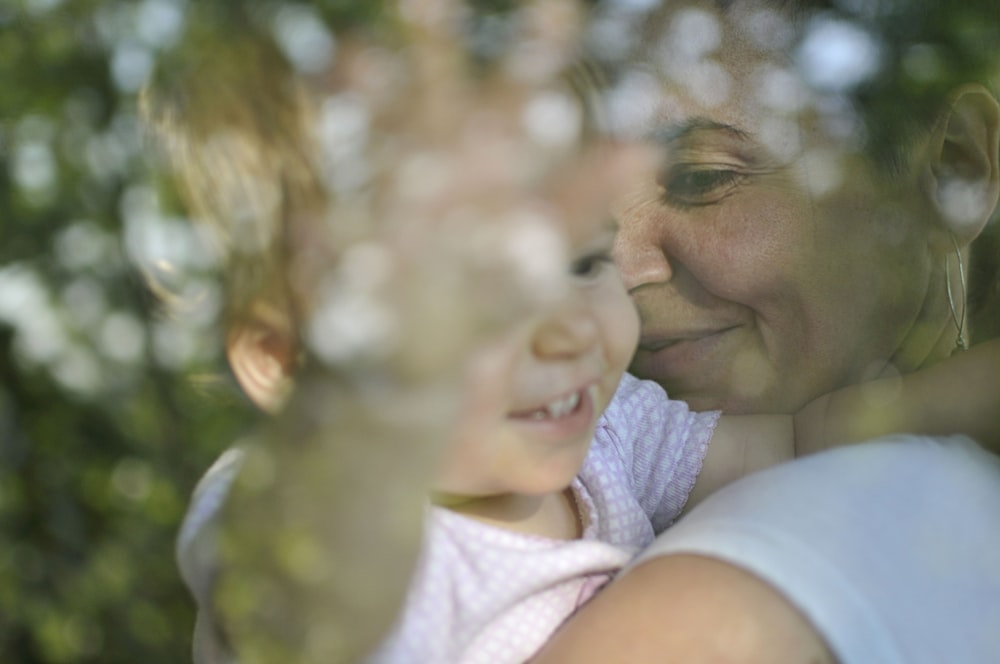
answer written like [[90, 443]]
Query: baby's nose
[[569, 331]]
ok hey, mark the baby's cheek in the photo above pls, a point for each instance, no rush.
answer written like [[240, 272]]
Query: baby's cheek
[[625, 334]]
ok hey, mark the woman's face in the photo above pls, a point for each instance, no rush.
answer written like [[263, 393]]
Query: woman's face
[[769, 262]]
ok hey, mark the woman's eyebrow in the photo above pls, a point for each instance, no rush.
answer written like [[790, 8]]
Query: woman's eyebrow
[[677, 132]]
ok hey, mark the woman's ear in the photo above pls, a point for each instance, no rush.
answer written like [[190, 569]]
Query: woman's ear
[[962, 174], [262, 350]]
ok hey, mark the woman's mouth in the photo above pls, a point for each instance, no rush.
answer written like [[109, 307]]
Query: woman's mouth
[[656, 342], [684, 357]]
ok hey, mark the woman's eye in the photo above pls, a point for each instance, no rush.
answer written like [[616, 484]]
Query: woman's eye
[[591, 265], [699, 185]]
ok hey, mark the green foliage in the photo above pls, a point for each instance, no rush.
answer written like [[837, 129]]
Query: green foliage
[[104, 429], [103, 433]]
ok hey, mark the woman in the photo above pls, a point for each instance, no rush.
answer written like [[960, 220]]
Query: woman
[[798, 238]]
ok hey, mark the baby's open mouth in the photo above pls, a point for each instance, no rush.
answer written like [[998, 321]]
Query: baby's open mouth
[[555, 409]]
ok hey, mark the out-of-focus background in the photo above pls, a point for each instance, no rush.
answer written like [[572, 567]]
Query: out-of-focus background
[[111, 405], [104, 422]]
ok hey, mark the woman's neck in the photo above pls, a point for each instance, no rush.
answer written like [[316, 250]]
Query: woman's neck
[[554, 515], [931, 336]]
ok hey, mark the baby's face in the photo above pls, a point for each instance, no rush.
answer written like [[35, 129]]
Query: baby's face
[[533, 397]]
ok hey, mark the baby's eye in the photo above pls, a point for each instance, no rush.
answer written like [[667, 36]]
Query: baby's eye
[[591, 265], [699, 185]]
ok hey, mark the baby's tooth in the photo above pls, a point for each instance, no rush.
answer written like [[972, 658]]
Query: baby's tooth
[[565, 406]]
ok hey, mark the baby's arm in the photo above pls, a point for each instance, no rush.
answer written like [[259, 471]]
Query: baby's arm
[[320, 531], [957, 395]]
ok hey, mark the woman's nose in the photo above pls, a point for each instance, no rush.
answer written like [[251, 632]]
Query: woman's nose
[[640, 255], [569, 331]]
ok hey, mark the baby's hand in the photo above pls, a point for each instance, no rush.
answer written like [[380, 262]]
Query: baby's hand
[[455, 233]]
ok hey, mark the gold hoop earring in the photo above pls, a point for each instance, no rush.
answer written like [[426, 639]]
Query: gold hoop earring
[[959, 320]]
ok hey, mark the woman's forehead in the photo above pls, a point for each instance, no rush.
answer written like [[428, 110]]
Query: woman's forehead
[[729, 70]]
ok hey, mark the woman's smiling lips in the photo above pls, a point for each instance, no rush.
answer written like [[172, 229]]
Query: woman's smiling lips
[[676, 354]]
